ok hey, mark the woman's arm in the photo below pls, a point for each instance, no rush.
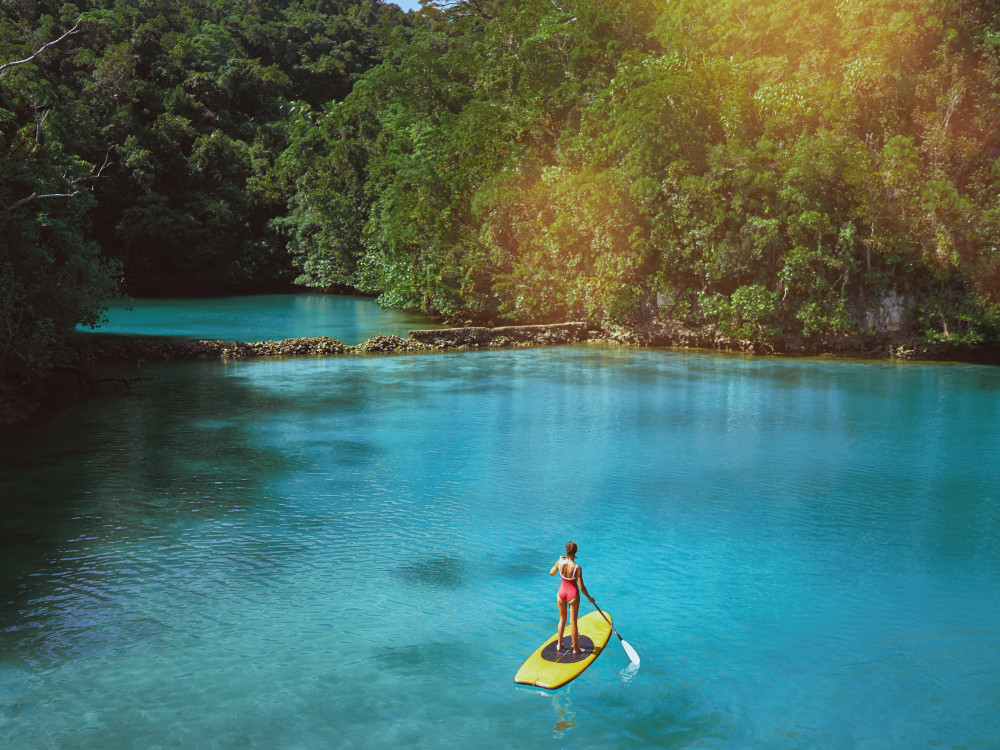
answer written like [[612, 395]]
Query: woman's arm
[[579, 581], [556, 566]]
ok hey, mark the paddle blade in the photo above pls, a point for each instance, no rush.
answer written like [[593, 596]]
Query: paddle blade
[[632, 655]]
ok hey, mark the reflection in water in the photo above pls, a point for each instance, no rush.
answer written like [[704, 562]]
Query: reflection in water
[[628, 674], [564, 709]]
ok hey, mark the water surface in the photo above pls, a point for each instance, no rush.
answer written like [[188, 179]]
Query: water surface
[[262, 317], [353, 552]]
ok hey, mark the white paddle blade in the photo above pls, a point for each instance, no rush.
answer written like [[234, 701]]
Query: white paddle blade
[[632, 655]]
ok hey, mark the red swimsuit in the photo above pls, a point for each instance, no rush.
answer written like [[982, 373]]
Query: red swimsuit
[[568, 590]]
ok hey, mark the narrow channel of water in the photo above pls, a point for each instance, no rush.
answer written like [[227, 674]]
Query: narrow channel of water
[[262, 317], [353, 552]]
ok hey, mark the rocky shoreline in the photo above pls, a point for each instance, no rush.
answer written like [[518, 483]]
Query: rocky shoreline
[[93, 349], [886, 345]]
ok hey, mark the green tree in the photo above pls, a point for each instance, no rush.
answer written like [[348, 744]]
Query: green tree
[[51, 278]]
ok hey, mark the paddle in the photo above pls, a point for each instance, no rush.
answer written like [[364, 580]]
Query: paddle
[[632, 655]]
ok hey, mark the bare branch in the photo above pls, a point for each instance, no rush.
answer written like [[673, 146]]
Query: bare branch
[[75, 181], [469, 8], [107, 163], [39, 122], [5, 66], [39, 197], [40, 118]]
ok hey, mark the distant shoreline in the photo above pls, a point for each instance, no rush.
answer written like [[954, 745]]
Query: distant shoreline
[[98, 348], [101, 350]]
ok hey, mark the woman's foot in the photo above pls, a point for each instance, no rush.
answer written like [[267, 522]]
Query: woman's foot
[[579, 651]]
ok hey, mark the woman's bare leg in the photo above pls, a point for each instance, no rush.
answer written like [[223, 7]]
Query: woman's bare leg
[[562, 621], [574, 610]]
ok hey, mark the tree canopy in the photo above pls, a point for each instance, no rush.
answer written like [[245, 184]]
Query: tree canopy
[[764, 167]]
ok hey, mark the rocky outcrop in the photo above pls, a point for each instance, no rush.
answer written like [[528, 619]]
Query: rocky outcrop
[[889, 315], [475, 337], [379, 344], [668, 334], [302, 347]]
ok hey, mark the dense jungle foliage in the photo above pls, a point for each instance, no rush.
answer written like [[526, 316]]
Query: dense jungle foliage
[[761, 166]]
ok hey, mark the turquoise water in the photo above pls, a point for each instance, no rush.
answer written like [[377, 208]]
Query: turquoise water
[[353, 553], [255, 318]]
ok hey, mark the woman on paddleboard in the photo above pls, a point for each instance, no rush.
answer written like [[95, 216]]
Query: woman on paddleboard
[[568, 595]]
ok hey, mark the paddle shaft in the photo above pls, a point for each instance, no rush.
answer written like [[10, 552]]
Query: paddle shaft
[[607, 620], [631, 652]]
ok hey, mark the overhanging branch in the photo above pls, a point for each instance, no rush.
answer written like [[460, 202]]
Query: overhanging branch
[[40, 50], [41, 197], [94, 175]]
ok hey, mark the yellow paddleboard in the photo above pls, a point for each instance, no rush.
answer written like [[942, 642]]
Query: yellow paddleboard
[[547, 669]]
